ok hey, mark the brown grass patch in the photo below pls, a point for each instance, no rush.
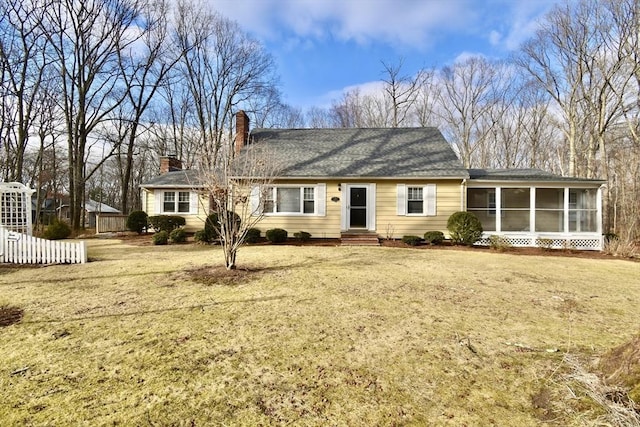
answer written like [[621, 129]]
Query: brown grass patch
[[219, 275], [10, 315]]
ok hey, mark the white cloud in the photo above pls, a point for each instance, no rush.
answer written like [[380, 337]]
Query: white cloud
[[525, 19], [495, 37], [409, 22], [465, 55], [415, 23]]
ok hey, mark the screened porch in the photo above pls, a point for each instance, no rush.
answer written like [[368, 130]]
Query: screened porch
[[549, 216]]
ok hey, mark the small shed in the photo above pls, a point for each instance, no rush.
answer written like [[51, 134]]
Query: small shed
[[91, 209]]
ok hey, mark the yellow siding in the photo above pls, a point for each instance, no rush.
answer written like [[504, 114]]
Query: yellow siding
[[194, 222], [327, 226], [388, 222]]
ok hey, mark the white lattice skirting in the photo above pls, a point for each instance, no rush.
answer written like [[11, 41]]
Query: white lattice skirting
[[19, 248], [590, 243]]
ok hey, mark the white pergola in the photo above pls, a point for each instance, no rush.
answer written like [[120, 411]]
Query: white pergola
[[15, 207]]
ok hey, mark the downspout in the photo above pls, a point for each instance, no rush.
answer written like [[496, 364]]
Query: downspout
[[463, 192]]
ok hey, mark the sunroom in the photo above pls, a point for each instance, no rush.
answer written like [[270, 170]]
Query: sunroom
[[534, 208]]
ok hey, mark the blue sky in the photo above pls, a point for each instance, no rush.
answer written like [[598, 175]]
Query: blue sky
[[323, 47]]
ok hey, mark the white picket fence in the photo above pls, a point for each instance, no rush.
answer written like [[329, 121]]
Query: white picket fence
[[19, 248]]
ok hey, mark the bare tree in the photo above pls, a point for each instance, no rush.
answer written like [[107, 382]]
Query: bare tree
[[23, 62], [317, 117], [144, 69], [268, 111], [568, 59], [468, 94], [234, 184], [86, 36], [426, 104], [223, 69], [401, 90], [626, 17]]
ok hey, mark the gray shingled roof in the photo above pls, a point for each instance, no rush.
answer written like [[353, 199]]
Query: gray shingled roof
[[382, 153], [175, 179], [523, 175]]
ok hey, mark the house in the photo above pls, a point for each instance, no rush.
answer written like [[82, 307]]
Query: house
[[91, 209], [391, 182], [176, 191]]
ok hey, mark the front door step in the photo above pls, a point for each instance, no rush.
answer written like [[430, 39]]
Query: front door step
[[359, 239]]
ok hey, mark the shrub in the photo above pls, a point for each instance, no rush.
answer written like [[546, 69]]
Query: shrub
[[411, 240], [200, 236], [137, 221], [434, 237], [252, 236], [212, 225], [161, 238], [57, 230], [498, 242], [621, 247], [178, 235], [302, 236], [464, 227], [276, 235], [166, 223]]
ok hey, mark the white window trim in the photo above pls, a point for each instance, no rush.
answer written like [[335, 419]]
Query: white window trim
[[159, 202], [319, 194], [429, 200]]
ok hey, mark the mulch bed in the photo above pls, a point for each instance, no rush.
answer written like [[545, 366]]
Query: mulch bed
[[145, 240]]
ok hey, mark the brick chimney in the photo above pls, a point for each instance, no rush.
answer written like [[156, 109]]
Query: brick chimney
[[242, 130], [169, 163]]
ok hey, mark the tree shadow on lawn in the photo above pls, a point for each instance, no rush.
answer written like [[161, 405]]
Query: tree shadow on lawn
[[163, 310]]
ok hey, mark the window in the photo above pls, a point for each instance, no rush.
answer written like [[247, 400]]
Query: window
[[416, 200], [583, 210], [308, 200], [482, 203], [515, 209], [169, 204], [176, 201], [292, 200], [550, 210]]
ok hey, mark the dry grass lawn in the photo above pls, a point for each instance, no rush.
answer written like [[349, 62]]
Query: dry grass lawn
[[152, 335]]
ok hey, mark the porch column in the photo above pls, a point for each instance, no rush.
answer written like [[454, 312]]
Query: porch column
[[532, 213], [565, 225], [599, 209], [498, 209]]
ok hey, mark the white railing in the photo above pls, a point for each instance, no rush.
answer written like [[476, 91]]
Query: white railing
[[578, 241], [18, 248]]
